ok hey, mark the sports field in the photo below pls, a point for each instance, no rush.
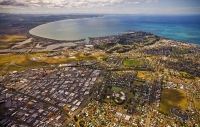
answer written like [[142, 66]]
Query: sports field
[[131, 63]]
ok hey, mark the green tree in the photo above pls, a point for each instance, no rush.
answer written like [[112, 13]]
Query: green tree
[[81, 123], [75, 118]]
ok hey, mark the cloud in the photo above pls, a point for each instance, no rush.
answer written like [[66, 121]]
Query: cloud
[[12, 3], [150, 1], [66, 3]]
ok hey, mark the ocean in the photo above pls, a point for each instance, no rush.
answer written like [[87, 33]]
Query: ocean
[[185, 28]]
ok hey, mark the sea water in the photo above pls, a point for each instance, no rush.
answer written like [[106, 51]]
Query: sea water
[[184, 28]]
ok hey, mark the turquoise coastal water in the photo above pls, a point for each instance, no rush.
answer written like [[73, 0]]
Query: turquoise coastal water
[[182, 28]]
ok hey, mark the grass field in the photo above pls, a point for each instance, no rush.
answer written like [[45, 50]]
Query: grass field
[[144, 75], [12, 38], [35, 54], [25, 61], [52, 60], [81, 56], [6, 41], [172, 98], [5, 45], [131, 63], [197, 103], [5, 59], [21, 63], [101, 56], [14, 68], [181, 51], [56, 61], [49, 60], [115, 88], [138, 83]]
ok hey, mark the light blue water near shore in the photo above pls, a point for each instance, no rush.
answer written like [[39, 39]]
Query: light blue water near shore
[[182, 28]]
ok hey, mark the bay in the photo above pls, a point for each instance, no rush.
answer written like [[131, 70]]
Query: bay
[[184, 28]]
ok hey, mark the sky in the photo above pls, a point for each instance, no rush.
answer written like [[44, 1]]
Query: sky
[[100, 6]]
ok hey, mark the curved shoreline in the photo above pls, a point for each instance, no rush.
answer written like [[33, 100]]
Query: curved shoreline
[[60, 40], [72, 32], [38, 38]]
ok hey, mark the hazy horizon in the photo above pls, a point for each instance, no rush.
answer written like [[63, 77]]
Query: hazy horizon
[[141, 14], [155, 7]]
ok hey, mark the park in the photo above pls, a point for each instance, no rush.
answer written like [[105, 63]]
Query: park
[[172, 98]]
